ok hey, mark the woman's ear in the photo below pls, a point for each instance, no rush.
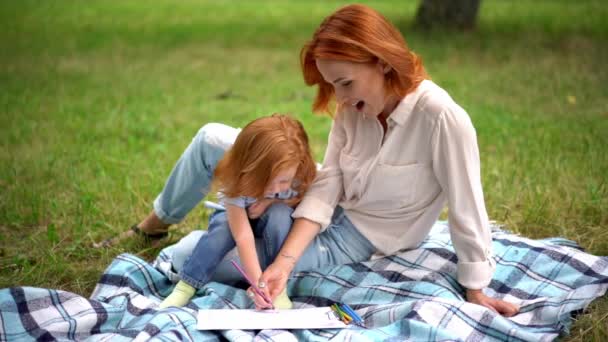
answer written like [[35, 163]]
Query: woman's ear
[[384, 67]]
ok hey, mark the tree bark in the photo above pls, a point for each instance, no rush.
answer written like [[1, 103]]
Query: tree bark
[[453, 14]]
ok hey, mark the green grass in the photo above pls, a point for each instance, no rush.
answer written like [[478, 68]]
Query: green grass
[[99, 100]]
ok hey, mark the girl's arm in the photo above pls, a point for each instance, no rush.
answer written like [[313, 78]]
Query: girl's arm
[[245, 242], [259, 207], [293, 201]]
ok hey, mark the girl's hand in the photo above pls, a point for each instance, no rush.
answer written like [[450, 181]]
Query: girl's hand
[[260, 303], [500, 306], [259, 207]]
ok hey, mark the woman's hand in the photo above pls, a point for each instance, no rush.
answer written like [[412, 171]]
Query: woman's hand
[[502, 307], [259, 207], [275, 277]]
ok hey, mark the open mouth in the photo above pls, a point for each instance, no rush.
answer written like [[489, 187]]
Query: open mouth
[[359, 105]]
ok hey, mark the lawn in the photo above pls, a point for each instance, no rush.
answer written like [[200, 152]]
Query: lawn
[[99, 99]]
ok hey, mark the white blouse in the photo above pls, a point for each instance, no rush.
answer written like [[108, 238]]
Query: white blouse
[[393, 186]]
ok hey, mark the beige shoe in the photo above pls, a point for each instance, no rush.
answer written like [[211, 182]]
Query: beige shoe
[[151, 238], [282, 301]]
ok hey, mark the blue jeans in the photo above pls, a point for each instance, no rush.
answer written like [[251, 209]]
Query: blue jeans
[[341, 243], [188, 184], [272, 228], [191, 176]]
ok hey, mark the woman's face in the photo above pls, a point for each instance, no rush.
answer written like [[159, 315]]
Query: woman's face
[[358, 86]]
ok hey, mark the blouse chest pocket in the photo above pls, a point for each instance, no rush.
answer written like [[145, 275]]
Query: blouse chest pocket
[[383, 184], [395, 183]]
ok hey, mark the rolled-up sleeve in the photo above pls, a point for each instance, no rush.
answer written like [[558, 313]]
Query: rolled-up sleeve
[[456, 165], [323, 195], [240, 202]]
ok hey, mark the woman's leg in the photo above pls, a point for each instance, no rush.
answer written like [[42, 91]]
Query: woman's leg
[[188, 182], [191, 176], [341, 243]]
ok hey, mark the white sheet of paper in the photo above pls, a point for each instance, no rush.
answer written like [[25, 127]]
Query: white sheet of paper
[[249, 319]]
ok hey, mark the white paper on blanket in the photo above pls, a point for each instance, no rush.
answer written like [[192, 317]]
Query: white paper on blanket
[[249, 319]]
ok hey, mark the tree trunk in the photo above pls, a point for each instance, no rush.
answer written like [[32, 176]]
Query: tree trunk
[[458, 14]]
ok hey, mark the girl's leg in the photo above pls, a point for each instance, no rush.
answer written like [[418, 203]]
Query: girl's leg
[[200, 266], [273, 227], [339, 244], [224, 273], [184, 248], [209, 251]]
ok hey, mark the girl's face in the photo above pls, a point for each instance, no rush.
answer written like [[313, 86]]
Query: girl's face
[[281, 182], [358, 86]]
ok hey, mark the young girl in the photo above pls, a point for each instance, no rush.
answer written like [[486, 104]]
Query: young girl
[[268, 168]]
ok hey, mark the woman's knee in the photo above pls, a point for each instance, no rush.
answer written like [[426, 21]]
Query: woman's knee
[[216, 135], [184, 248], [211, 142]]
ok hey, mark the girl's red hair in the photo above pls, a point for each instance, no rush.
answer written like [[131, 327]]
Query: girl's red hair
[[265, 147], [357, 33]]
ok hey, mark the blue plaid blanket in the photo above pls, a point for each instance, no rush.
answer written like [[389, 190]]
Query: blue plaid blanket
[[410, 296]]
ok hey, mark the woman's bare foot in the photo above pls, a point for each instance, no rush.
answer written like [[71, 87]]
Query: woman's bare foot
[[151, 228]]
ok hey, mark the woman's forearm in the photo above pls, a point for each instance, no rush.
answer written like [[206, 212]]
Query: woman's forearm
[[302, 233]]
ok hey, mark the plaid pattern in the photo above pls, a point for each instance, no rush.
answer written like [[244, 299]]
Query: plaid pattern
[[412, 296]]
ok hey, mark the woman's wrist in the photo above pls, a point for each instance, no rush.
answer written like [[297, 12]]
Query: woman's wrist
[[286, 261]]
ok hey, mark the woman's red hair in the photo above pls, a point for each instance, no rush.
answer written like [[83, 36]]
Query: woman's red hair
[[264, 148], [359, 34]]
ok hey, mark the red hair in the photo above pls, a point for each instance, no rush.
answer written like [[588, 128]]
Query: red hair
[[264, 148], [359, 34]]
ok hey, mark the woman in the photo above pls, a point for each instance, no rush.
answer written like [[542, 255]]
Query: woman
[[398, 150]]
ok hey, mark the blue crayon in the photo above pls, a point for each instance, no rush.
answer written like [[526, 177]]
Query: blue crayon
[[351, 312]]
